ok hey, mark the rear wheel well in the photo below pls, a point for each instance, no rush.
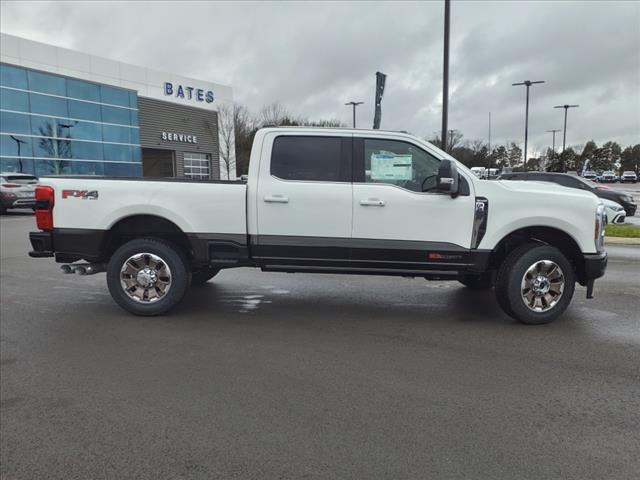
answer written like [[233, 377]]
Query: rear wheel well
[[543, 235], [138, 226]]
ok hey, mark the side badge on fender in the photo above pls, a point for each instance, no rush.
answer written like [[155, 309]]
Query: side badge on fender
[[84, 194]]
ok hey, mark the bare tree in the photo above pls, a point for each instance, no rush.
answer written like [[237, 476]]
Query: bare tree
[[226, 135], [453, 140], [275, 114]]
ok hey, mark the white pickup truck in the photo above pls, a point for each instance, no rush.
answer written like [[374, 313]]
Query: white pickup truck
[[328, 201]]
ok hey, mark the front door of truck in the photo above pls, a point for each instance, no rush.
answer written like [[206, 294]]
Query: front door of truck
[[303, 203], [400, 221]]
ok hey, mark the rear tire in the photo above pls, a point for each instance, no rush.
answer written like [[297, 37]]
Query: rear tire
[[201, 277], [148, 276], [535, 284]]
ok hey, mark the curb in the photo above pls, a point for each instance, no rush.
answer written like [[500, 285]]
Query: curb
[[621, 241]]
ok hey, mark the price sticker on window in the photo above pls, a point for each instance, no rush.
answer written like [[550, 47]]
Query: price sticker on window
[[388, 166]]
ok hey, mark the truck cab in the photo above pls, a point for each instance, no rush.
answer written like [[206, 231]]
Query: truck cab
[[329, 201]]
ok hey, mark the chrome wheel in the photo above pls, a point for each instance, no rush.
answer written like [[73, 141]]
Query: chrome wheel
[[145, 277], [542, 286]]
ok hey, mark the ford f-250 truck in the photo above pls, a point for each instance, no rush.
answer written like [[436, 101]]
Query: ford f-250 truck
[[328, 201]]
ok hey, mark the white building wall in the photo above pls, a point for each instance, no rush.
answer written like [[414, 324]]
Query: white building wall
[[146, 81]]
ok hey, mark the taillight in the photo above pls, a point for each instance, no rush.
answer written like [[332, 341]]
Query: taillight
[[44, 207]]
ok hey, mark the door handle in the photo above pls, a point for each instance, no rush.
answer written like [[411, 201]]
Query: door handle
[[372, 202], [276, 199]]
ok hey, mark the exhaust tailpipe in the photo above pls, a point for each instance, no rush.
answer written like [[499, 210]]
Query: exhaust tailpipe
[[84, 268]]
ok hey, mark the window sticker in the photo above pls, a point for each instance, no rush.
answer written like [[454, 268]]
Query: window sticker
[[389, 166]]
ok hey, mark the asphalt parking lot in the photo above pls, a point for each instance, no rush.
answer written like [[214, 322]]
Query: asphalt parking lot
[[259, 376]]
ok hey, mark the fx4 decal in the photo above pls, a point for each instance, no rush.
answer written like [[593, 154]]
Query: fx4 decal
[[84, 194]]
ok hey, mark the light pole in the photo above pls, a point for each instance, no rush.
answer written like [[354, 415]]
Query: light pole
[[445, 75], [566, 108], [528, 83], [354, 105], [19, 142], [554, 139]]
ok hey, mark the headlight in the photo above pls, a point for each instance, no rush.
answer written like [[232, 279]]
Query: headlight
[[627, 198], [599, 228]]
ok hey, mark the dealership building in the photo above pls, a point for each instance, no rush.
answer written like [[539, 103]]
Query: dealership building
[[67, 112]]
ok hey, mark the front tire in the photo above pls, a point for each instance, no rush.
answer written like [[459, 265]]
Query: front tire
[[535, 284], [148, 276]]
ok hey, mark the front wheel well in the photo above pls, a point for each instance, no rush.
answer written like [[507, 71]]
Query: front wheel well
[[137, 226], [544, 235]]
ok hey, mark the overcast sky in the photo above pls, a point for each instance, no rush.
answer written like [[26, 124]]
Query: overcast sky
[[313, 57]]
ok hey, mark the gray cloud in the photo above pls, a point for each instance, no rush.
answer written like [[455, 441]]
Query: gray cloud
[[313, 57]]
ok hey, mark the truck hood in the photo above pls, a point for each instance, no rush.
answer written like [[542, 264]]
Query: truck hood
[[542, 188]]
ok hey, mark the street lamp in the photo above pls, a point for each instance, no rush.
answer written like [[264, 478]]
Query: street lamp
[[566, 108], [528, 83], [354, 105], [554, 139], [19, 142], [445, 75]]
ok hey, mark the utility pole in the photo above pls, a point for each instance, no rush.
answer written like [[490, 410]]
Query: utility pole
[[528, 84], [354, 105], [445, 75], [489, 139], [564, 136]]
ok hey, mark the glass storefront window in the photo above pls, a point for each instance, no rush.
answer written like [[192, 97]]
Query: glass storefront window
[[85, 131], [75, 126], [13, 76], [115, 115], [83, 90], [46, 105], [15, 123], [43, 126], [15, 146], [112, 169], [47, 83], [114, 96], [24, 165], [135, 136], [85, 111], [14, 100], [120, 153], [51, 148], [53, 167], [87, 150], [112, 133]]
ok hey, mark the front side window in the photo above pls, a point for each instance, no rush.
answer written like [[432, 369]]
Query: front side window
[[308, 159], [196, 166], [400, 163]]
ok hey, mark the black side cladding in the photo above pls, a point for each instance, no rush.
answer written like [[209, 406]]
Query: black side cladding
[[480, 221]]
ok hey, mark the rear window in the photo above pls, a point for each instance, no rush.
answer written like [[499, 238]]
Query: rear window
[[26, 179], [309, 158]]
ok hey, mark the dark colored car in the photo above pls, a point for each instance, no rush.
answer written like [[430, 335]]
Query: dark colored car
[[572, 181]]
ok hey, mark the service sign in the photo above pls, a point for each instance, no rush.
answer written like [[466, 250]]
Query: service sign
[[178, 137]]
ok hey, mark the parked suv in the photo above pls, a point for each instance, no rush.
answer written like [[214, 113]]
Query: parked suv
[[570, 181], [609, 177], [590, 175], [17, 190], [629, 176]]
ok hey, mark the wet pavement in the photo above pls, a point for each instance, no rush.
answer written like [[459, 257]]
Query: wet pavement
[[261, 375]]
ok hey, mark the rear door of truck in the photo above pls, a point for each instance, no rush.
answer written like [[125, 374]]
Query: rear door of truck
[[304, 197]]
